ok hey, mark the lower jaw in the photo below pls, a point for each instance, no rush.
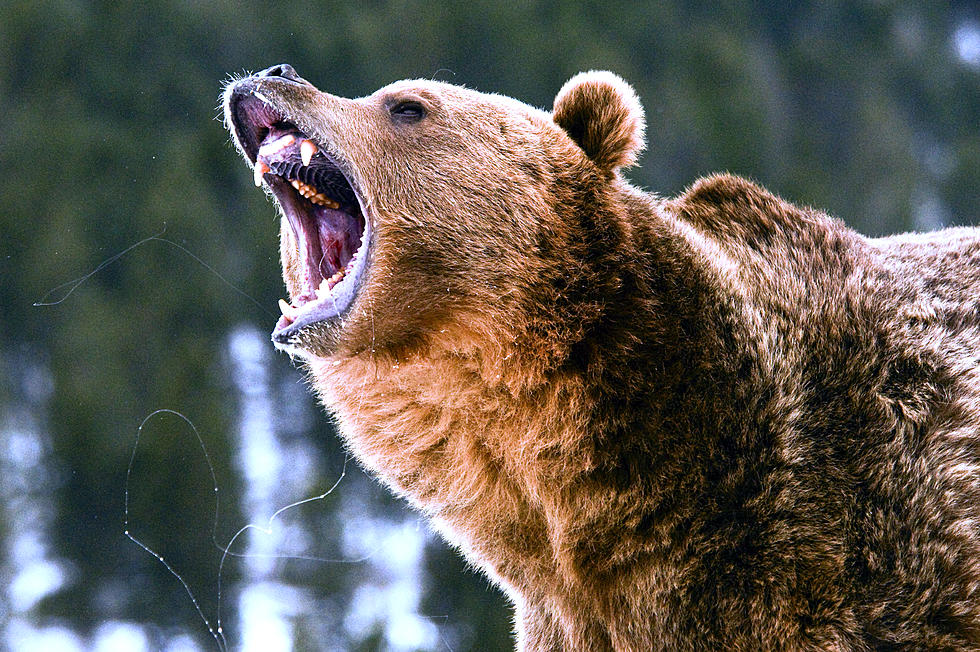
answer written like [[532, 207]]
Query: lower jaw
[[301, 339], [299, 331], [317, 316]]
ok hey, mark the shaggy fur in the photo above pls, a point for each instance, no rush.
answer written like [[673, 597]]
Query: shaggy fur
[[717, 421]]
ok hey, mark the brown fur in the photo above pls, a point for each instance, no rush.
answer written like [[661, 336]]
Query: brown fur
[[717, 421]]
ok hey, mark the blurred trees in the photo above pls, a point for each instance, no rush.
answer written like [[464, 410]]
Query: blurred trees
[[109, 135]]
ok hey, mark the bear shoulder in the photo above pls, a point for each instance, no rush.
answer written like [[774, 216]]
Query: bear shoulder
[[720, 202]]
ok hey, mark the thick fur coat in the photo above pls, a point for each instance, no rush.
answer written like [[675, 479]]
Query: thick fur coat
[[715, 421]]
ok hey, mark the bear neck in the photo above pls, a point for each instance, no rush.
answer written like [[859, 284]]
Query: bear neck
[[512, 450]]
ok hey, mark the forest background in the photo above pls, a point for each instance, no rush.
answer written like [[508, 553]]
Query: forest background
[[110, 144]]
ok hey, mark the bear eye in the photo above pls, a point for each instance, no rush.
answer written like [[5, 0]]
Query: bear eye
[[407, 111]]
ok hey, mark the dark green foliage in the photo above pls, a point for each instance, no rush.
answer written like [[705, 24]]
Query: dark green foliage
[[109, 136]]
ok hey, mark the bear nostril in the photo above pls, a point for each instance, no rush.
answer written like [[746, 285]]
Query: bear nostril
[[283, 70]]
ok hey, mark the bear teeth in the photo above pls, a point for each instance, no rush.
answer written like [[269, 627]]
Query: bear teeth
[[269, 149], [260, 169], [291, 312], [311, 194], [307, 149], [287, 310], [327, 284]]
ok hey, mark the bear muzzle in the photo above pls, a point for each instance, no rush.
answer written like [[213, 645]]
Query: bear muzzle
[[323, 209]]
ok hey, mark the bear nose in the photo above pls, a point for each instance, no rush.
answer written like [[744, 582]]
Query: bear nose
[[283, 70]]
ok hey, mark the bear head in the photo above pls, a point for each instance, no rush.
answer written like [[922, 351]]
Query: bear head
[[431, 214]]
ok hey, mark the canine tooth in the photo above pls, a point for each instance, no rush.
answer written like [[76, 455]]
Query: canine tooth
[[260, 168], [306, 151], [286, 309], [295, 183]]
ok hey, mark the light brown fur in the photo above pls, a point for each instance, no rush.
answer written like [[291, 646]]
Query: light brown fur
[[711, 422]]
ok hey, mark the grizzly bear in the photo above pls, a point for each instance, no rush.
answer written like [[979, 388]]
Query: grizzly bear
[[711, 422]]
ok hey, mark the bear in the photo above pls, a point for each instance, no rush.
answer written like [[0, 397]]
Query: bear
[[715, 421]]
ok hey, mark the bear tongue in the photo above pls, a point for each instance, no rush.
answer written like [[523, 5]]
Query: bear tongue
[[325, 247]]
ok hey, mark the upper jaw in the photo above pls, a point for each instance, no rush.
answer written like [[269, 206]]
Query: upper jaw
[[317, 194], [270, 91]]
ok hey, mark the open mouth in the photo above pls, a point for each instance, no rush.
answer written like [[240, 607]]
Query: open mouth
[[321, 205]]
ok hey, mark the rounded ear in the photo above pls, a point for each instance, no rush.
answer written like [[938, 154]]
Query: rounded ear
[[603, 115]]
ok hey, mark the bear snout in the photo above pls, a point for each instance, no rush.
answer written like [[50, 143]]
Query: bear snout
[[283, 71]]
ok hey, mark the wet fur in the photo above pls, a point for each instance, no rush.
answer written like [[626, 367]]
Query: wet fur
[[717, 421]]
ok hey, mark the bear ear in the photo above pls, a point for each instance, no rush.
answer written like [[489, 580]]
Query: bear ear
[[603, 115]]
